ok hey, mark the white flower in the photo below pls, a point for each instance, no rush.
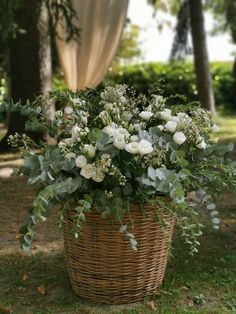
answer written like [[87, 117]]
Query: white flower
[[66, 142], [81, 161], [59, 114], [122, 131], [88, 171], [146, 115], [132, 148], [161, 127], [68, 110], [134, 138], [176, 119], [76, 101], [122, 99], [171, 126], [70, 155], [202, 145], [99, 176], [89, 150], [126, 115], [108, 106], [110, 130], [215, 128], [137, 126], [215, 221], [144, 147], [216, 227], [119, 141], [179, 138], [75, 131], [214, 213], [165, 114]]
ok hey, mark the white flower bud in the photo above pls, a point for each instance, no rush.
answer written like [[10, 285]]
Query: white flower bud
[[89, 150], [215, 221], [214, 213], [68, 110], [81, 161], [179, 138], [126, 115], [215, 128], [75, 132], [134, 138], [146, 115], [132, 148], [161, 127], [70, 156], [202, 145]]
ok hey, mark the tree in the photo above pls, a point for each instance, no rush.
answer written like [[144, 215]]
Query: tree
[[204, 82], [29, 49]]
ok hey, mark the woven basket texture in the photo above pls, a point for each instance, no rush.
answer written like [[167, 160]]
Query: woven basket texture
[[102, 265]]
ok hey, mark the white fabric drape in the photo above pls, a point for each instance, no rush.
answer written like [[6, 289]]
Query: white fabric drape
[[86, 61]]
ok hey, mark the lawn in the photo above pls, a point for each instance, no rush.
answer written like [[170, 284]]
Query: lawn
[[37, 283]]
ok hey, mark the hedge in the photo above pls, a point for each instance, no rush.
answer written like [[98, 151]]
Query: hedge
[[179, 79]]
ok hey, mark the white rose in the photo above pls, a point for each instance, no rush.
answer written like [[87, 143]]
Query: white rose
[[81, 161], [146, 115], [160, 127], [89, 150], [75, 131], [144, 147], [110, 130], [123, 132], [176, 119], [202, 145], [98, 177], [119, 141], [132, 148], [126, 115], [179, 138], [68, 110], [171, 126], [134, 138], [165, 114], [70, 155], [215, 128], [88, 171]]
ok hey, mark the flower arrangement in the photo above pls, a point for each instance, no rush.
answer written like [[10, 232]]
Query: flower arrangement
[[114, 148]]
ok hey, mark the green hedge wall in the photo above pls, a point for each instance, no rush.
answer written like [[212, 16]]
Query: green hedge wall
[[179, 79]]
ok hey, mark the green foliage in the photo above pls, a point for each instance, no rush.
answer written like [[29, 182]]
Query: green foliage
[[179, 78]]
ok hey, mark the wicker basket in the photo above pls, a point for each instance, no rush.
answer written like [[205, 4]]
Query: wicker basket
[[103, 267]]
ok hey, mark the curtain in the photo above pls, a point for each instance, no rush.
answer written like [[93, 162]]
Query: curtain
[[85, 62]]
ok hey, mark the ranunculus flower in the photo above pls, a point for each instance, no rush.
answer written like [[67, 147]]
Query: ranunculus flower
[[81, 161], [110, 130], [68, 110], [171, 126], [70, 155], [146, 115], [75, 131], [202, 145], [119, 141], [144, 147], [88, 171], [123, 132], [89, 150], [179, 138], [165, 114], [132, 148], [99, 176]]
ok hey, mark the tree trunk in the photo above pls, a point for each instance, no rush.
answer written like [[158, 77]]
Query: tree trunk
[[29, 61], [204, 83]]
